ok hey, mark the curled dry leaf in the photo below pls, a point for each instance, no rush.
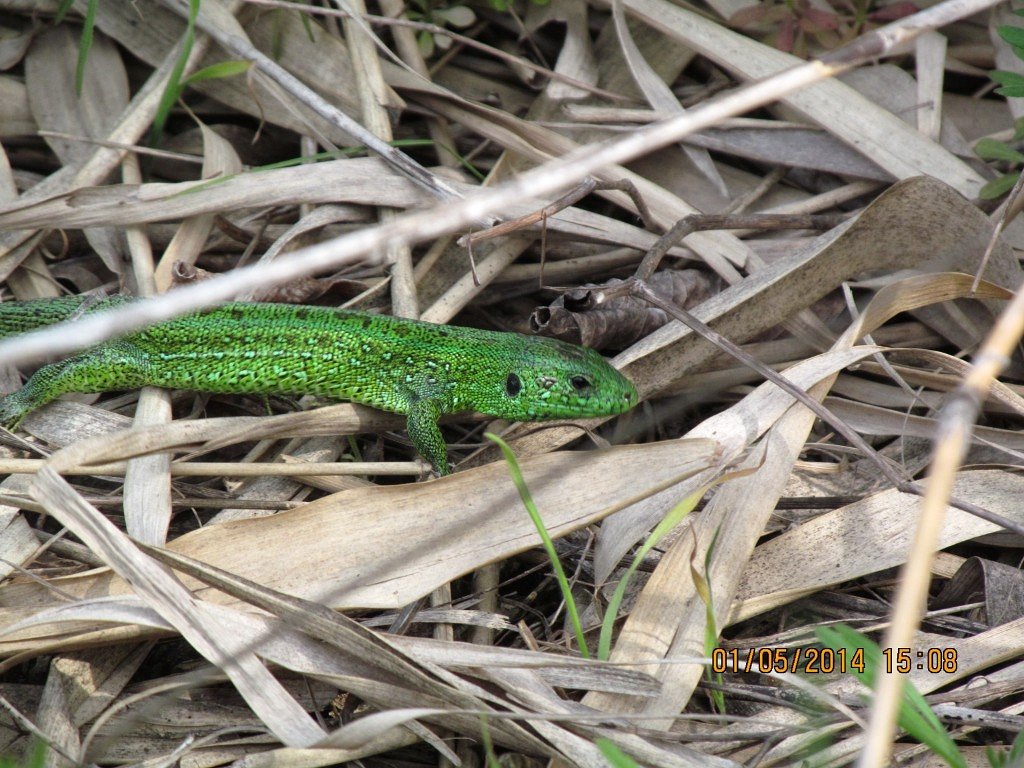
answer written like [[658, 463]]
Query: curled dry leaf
[[624, 320]]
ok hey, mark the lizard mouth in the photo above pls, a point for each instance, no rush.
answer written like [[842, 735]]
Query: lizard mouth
[[591, 408]]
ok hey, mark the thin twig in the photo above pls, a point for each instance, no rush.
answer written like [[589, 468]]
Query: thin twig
[[701, 222], [1009, 210], [570, 198], [121, 146]]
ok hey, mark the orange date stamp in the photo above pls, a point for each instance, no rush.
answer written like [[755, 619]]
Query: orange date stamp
[[827, 661]]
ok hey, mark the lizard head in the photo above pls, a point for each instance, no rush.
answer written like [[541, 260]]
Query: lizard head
[[552, 379]]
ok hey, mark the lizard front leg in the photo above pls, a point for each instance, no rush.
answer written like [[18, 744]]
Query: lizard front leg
[[117, 365], [426, 435]]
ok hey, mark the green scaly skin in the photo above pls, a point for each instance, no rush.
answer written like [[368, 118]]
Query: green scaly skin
[[418, 369]]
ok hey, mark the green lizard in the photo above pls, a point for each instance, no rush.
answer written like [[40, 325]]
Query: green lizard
[[418, 369]]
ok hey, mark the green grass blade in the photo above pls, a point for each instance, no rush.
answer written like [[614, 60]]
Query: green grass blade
[[615, 756], [710, 622], [675, 516], [85, 44], [34, 756], [549, 545], [62, 10], [174, 85], [308, 26], [488, 744], [219, 70]]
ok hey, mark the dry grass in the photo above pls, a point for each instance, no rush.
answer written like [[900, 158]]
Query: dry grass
[[207, 583]]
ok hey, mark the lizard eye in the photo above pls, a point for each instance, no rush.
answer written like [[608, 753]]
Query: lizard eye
[[579, 383], [513, 385]]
